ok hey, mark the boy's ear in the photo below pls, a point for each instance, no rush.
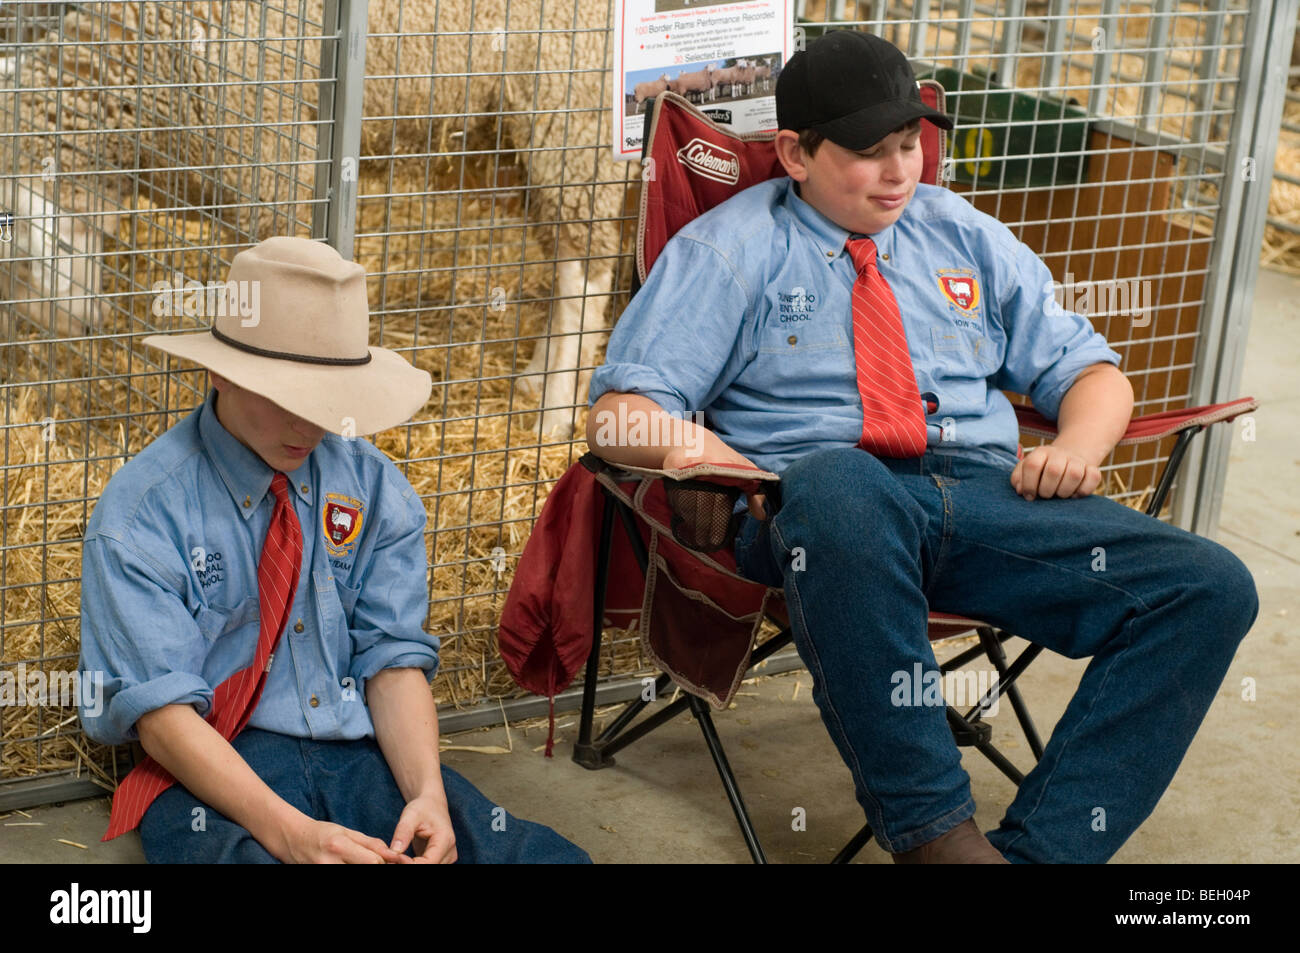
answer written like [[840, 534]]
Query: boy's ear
[[791, 154]]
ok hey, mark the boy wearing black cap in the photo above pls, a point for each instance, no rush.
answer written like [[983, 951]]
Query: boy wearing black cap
[[848, 308]]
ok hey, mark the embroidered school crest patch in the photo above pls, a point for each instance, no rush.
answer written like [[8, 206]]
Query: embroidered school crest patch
[[962, 288], [341, 519]]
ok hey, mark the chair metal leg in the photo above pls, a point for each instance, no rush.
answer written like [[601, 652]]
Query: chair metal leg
[[1170, 471], [773, 645], [701, 712], [597, 754], [961, 659], [584, 752], [631, 710], [627, 516], [976, 734], [855, 844], [616, 742], [998, 656]]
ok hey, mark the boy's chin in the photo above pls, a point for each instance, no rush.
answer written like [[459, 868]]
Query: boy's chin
[[284, 462], [878, 221], [868, 216]]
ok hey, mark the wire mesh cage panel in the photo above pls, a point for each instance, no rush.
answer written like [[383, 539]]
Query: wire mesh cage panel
[[142, 145], [461, 151], [496, 227]]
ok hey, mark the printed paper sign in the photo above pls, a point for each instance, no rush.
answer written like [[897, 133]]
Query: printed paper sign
[[723, 56]]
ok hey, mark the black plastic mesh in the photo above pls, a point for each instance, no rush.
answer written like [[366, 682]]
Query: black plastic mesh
[[703, 514]]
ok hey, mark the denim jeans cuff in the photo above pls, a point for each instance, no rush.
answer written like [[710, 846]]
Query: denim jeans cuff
[[923, 835]]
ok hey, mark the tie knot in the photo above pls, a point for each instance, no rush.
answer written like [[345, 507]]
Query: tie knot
[[280, 487], [862, 251]]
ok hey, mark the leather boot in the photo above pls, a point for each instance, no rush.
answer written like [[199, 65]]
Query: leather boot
[[964, 844]]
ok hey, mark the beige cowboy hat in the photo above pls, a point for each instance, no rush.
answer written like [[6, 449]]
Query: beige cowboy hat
[[292, 325]]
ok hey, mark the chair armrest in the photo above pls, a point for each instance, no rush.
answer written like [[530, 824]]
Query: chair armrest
[[1152, 427], [701, 497], [726, 474]]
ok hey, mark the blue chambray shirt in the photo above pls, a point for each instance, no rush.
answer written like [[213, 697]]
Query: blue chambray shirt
[[747, 316], [169, 597]]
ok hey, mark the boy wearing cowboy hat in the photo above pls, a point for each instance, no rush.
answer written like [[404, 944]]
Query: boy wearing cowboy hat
[[771, 312], [254, 594]]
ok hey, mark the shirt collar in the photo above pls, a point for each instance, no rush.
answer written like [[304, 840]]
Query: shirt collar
[[245, 474], [830, 238]]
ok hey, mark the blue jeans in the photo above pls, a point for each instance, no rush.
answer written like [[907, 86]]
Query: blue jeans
[[863, 546], [348, 783]]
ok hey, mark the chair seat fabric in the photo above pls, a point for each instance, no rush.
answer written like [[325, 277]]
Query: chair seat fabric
[[698, 618]]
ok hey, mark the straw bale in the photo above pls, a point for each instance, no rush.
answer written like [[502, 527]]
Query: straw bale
[[41, 602]]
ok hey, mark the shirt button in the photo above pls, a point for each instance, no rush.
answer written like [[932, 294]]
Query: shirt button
[[884, 257], [315, 702], [304, 487], [793, 339], [298, 626], [248, 501]]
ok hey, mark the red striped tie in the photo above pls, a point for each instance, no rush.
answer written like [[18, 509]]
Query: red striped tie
[[235, 699], [893, 422]]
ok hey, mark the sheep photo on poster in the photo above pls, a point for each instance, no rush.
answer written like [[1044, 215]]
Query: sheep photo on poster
[[722, 57], [705, 83]]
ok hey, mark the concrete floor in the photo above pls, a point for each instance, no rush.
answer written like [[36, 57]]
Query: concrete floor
[[1235, 798]]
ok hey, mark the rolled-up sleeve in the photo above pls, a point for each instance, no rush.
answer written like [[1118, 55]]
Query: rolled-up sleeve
[[673, 341], [387, 627], [140, 647], [1047, 346]]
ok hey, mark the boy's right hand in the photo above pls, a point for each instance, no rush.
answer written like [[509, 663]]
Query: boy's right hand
[[720, 453], [320, 842]]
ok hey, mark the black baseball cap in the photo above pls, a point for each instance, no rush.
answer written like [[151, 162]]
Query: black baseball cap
[[852, 87]]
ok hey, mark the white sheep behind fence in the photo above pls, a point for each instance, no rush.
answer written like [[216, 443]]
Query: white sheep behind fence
[[55, 266], [540, 70], [139, 108]]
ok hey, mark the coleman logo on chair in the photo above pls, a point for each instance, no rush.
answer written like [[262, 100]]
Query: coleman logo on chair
[[712, 162]]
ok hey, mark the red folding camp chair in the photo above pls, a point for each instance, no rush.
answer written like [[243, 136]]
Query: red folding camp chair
[[671, 571]]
